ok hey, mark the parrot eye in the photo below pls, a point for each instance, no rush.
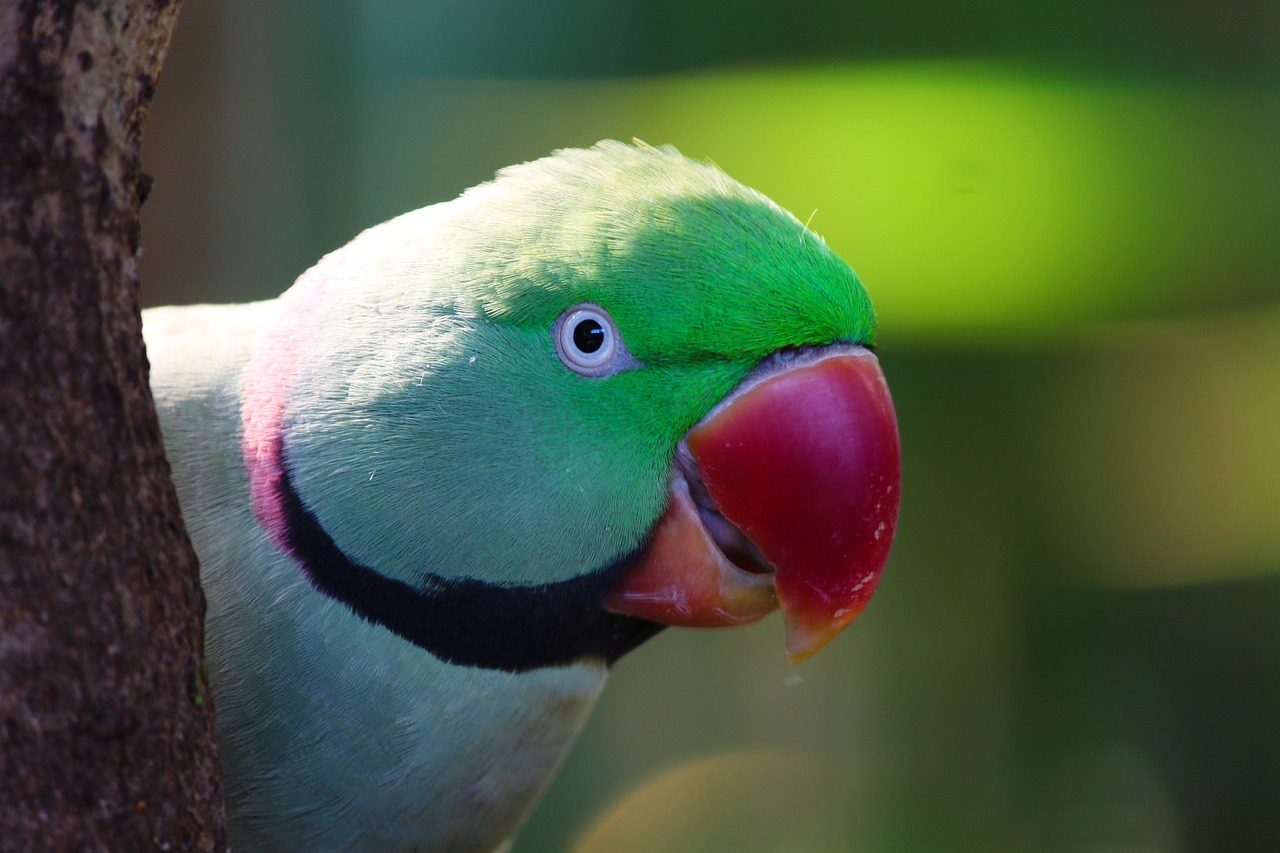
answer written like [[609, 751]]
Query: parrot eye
[[588, 342]]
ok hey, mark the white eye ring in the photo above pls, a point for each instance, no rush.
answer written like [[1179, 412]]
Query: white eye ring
[[588, 342]]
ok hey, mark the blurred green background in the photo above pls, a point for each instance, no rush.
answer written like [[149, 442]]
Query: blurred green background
[[1067, 215]]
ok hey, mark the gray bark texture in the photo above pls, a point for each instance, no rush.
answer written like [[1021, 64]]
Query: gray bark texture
[[106, 723]]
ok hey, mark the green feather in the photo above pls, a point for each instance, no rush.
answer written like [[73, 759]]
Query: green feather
[[457, 417]]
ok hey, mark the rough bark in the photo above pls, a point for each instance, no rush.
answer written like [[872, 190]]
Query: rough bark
[[106, 725]]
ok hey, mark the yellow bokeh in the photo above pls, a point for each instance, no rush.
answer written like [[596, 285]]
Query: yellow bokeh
[[974, 199]]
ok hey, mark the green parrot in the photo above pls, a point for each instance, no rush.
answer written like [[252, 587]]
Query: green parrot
[[469, 460]]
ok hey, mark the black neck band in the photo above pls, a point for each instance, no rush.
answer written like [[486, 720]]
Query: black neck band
[[469, 622]]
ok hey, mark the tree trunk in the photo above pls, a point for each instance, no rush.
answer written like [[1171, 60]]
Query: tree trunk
[[106, 724]]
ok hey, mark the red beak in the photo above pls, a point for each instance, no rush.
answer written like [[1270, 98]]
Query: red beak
[[788, 488]]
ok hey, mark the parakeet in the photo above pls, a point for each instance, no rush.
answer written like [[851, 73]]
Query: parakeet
[[469, 460]]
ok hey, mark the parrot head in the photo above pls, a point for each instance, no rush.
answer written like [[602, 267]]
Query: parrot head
[[610, 390]]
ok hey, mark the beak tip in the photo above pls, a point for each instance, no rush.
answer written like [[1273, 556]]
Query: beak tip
[[800, 650], [808, 633]]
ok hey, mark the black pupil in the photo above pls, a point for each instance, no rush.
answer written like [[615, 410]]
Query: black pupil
[[588, 336]]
